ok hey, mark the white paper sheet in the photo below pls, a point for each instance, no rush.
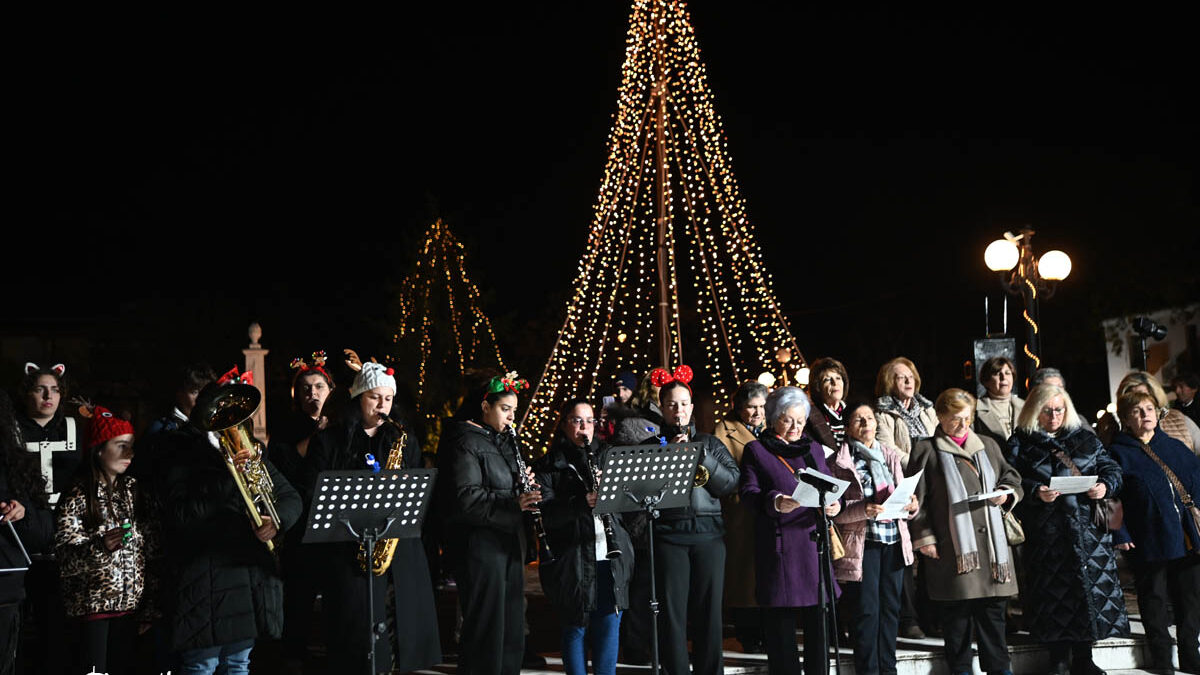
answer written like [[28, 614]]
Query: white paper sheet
[[1072, 485], [989, 495], [807, 495], [893, 506]]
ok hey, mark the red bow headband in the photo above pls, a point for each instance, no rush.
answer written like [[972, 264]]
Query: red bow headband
[[232, 377], [317, 366], [660, 376], [510, 383]]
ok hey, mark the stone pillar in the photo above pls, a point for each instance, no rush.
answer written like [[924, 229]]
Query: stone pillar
[[256, 362]]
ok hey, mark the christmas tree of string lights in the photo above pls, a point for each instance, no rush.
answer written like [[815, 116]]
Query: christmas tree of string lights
[[671, 253], [443, 333]]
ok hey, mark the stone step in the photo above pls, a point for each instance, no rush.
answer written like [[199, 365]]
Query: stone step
[[917, 657]]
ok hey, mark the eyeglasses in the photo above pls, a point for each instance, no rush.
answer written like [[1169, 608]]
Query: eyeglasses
[[1054, 412], [581, 421]]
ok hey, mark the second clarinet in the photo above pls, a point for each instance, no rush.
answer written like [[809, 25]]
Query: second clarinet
[[610, 535], [543, 554]]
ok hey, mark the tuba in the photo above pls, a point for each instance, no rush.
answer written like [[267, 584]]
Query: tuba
[[226, 412], [381, 556]]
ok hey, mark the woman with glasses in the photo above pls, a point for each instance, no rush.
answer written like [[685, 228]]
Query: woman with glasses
[[1073, 594], [589, 580]]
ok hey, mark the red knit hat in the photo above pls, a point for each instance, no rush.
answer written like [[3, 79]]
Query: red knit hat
[[106, 426]]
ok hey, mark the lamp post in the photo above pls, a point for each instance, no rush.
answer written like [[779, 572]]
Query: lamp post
[[1023, 274]]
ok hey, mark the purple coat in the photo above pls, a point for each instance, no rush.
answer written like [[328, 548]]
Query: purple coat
[[785, 556]]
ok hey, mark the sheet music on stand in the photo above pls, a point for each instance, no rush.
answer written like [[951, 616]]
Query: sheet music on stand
[[361, 499], [21, 545], [645, 470]]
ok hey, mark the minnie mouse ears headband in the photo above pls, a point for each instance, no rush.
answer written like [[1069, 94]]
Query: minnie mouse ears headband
[[510, 382], [660, 376], [58, 368]]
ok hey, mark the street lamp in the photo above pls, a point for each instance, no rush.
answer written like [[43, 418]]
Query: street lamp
[[1021, 273]]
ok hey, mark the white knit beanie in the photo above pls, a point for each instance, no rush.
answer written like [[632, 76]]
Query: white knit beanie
[[373, 375]]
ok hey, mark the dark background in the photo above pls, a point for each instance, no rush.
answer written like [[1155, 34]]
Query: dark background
[[179, 176]]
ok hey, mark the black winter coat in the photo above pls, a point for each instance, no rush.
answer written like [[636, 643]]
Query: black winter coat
[[36, 530], [223, 583], [570, 582], [1071, 589], [483, 481], [417, 645]]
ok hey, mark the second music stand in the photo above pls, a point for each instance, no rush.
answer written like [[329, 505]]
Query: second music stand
[[648, 478]]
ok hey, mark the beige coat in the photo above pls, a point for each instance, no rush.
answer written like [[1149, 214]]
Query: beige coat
[[739, 523], [987, 418], [893, 432], [931, 525]]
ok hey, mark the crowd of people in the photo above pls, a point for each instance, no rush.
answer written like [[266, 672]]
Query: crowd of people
[[120, 542]]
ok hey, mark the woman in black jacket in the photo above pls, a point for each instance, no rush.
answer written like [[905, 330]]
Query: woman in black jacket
[[588, 581], [22, 502], [364, 441], [689, 541], [224, 590], [1072, 593], [485, 521]]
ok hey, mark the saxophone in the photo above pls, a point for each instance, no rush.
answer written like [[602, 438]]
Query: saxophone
[[381, 556]]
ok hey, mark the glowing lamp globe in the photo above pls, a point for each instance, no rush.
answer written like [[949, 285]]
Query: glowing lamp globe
[[1001, 255], [1054, 265], [767, 380], [802, 376]]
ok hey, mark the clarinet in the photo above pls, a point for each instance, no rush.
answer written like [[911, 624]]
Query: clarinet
[[543, 552], [610, 535]]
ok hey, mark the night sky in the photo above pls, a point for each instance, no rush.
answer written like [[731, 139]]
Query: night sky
[[180, 176]]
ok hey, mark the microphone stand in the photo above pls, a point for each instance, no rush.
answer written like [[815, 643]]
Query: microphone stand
[[826, 607]]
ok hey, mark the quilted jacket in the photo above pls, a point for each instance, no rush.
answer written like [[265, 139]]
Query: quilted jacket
[[1071, 589]]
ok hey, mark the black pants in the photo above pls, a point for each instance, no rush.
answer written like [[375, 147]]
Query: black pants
[[10, 630], [491, 587], [49, 618], [302, 576], [107, 645], [779, 636], [1180, 579], [985, 618], [874, 605], [691, 583], [344, 610], [635, 625]]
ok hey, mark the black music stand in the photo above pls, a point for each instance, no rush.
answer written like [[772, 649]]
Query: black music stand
[[648, 478], [366, 507]]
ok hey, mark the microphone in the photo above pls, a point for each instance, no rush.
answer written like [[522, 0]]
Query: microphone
[[819, 482]]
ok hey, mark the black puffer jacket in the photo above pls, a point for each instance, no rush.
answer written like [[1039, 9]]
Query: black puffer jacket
[[482, 483], [224, 587], [570, 582], [723, 476], [1070, 569]]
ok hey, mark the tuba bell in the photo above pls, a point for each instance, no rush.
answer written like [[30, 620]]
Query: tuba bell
[[226, 412]]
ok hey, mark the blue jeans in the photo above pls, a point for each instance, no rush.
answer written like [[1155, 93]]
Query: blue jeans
[[230, 659], [604, 627]]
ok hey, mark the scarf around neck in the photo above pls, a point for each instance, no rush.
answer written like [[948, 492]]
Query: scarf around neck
[[881, 474], [962, 526], [911, 415]]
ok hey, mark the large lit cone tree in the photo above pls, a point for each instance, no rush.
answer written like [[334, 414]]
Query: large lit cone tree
[[443, 333], [672, 271]]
